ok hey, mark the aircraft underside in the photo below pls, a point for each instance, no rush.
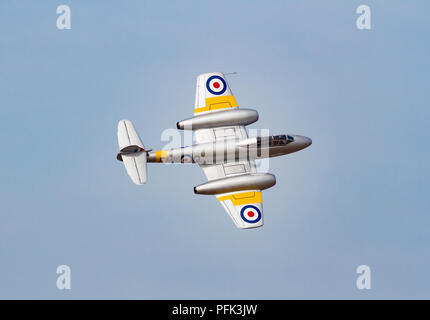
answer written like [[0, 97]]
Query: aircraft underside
[[222, 149]]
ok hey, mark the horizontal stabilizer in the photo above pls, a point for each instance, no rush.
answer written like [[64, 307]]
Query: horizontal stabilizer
[[127, 135], [132, 152], [136, 167]]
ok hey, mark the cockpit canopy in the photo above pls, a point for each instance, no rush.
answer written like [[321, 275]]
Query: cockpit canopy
[[278, 140]]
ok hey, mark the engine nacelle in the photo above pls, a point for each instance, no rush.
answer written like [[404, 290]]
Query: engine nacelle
[[235, 117], [251, 181]]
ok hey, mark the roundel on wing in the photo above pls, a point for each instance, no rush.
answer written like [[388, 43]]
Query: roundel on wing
[[250, 214], [216, 85]]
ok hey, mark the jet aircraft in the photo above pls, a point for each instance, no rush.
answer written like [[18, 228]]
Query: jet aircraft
[[222, 149]]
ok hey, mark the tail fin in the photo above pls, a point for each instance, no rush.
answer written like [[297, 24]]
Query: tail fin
[[132, 152]]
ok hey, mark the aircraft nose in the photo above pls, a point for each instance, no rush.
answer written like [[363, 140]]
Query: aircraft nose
[[303, 141]]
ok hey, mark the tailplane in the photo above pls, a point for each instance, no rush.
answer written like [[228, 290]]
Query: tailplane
[[132, 152]]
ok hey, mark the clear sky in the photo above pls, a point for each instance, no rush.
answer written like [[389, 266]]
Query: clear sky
[[358, 195]]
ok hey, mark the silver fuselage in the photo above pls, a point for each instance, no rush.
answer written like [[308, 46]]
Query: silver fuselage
[[225, 151]]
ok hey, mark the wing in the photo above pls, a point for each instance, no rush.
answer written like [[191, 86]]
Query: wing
[[244, 207], [213, 93]]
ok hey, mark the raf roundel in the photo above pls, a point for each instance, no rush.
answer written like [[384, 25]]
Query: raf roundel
[[216, 85], [186, 158], [250, 214]]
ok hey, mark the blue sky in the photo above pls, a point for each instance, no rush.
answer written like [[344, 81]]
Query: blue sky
[[358, 195]]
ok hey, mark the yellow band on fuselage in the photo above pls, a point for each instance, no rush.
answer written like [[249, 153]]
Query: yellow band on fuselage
[[216, 103], [243, 198], [160, 156]]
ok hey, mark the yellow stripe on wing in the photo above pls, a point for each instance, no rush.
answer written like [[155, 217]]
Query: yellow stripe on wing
[[216, 103], [243, 198]]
